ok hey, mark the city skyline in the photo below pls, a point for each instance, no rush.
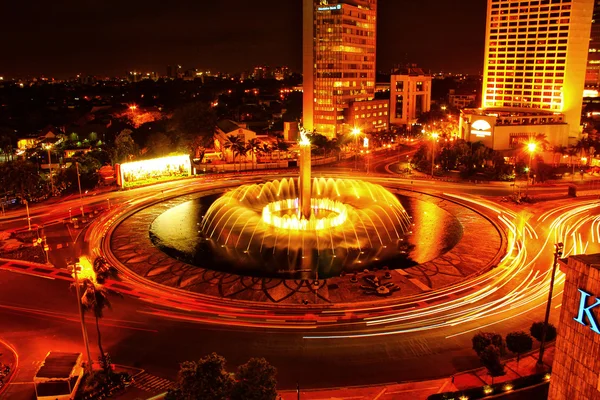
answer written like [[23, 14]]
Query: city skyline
[[62, 40]]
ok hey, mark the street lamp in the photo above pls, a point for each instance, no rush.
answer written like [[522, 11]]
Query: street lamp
[[531, 146], [558, 250], [434, 138], [356, 132], [79, 185], [48, 147], [75, 267]]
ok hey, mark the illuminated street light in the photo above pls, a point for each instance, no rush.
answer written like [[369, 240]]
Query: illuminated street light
[[356, 132], [48, 148], [434, 138], [531, 147]]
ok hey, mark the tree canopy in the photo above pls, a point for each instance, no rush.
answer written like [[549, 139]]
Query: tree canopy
[[204, 379], [255, 380]]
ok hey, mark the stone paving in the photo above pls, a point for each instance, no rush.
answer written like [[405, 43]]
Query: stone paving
[[481, 247]]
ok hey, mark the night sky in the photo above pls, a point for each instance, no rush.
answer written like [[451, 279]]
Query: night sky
[[64, 37]]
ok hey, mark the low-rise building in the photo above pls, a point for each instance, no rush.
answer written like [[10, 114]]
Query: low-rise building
[[369, 116], [462, 99], [506, 129]]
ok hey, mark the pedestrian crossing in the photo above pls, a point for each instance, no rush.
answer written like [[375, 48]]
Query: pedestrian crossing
[[151, 383]]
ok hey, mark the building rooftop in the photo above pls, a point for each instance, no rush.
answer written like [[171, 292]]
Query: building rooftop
[[58, 365], [411, 70], [509, 112], [593, 260], [227, 125]]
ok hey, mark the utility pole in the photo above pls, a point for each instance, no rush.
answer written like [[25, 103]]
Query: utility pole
[[28, 218], [86, 341], [558, 250], [80, 196], [50, 168]]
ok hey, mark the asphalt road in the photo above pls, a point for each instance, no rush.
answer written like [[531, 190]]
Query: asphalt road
[[39, 314]]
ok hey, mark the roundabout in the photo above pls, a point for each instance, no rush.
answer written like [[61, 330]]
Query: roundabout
[[443, 241]]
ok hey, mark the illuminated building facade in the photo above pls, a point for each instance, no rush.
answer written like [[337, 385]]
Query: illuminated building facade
[[339, 52], [369, 116], [534, 72], [410, 95], [535, 56], [592, 76]]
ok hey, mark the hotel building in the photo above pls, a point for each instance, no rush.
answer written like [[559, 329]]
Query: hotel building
[[534, 71], [339, 51], [592, 76]]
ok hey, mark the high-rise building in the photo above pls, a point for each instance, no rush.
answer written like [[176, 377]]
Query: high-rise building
[[534, 73], [410, 95], [592, 76], [339, 52]]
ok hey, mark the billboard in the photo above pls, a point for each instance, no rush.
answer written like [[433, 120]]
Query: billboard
[[156, 170]]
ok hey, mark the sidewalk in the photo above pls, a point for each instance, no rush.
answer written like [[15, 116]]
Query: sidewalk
[[423, 389]]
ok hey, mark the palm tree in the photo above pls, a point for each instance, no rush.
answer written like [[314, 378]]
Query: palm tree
[[561, 151], [233, 143], [241, 149], [253, 146], [103, 270], [281, 146], [266, 149], [95, 300], [572, 151]]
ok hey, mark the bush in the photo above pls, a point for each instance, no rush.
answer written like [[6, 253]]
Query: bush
[[484, 339], [519, 343], [490, 358], [537, 329], [255, 381]]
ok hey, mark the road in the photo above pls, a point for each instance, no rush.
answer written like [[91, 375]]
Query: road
[[39, 313]]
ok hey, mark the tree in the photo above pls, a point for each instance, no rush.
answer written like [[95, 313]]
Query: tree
[[519, 342], [8, 141], [66, 179], [490, 358], [95, 300], [22, 179], [159, 144], [537, 328], [255, 380], [253, 147], [205, 379], [235, 144], [103, 270], [124, 147], [482, 340], [194, 127], [265, 149], [281, 146]]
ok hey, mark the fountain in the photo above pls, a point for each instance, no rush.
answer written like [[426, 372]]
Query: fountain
[[296, 228]]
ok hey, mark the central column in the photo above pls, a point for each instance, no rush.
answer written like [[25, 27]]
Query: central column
[[305, 184]]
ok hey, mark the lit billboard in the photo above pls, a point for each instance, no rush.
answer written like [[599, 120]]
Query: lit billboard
[[156, 170]]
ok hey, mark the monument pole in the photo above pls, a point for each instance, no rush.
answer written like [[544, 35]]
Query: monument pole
[[305, 183]]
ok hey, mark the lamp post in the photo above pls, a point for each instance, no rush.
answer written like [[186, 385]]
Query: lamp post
[[80, 196], [356, 132], [28, 217], [531, 146], [48, 147], [75, 266], [434, 137], [558, 250]]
